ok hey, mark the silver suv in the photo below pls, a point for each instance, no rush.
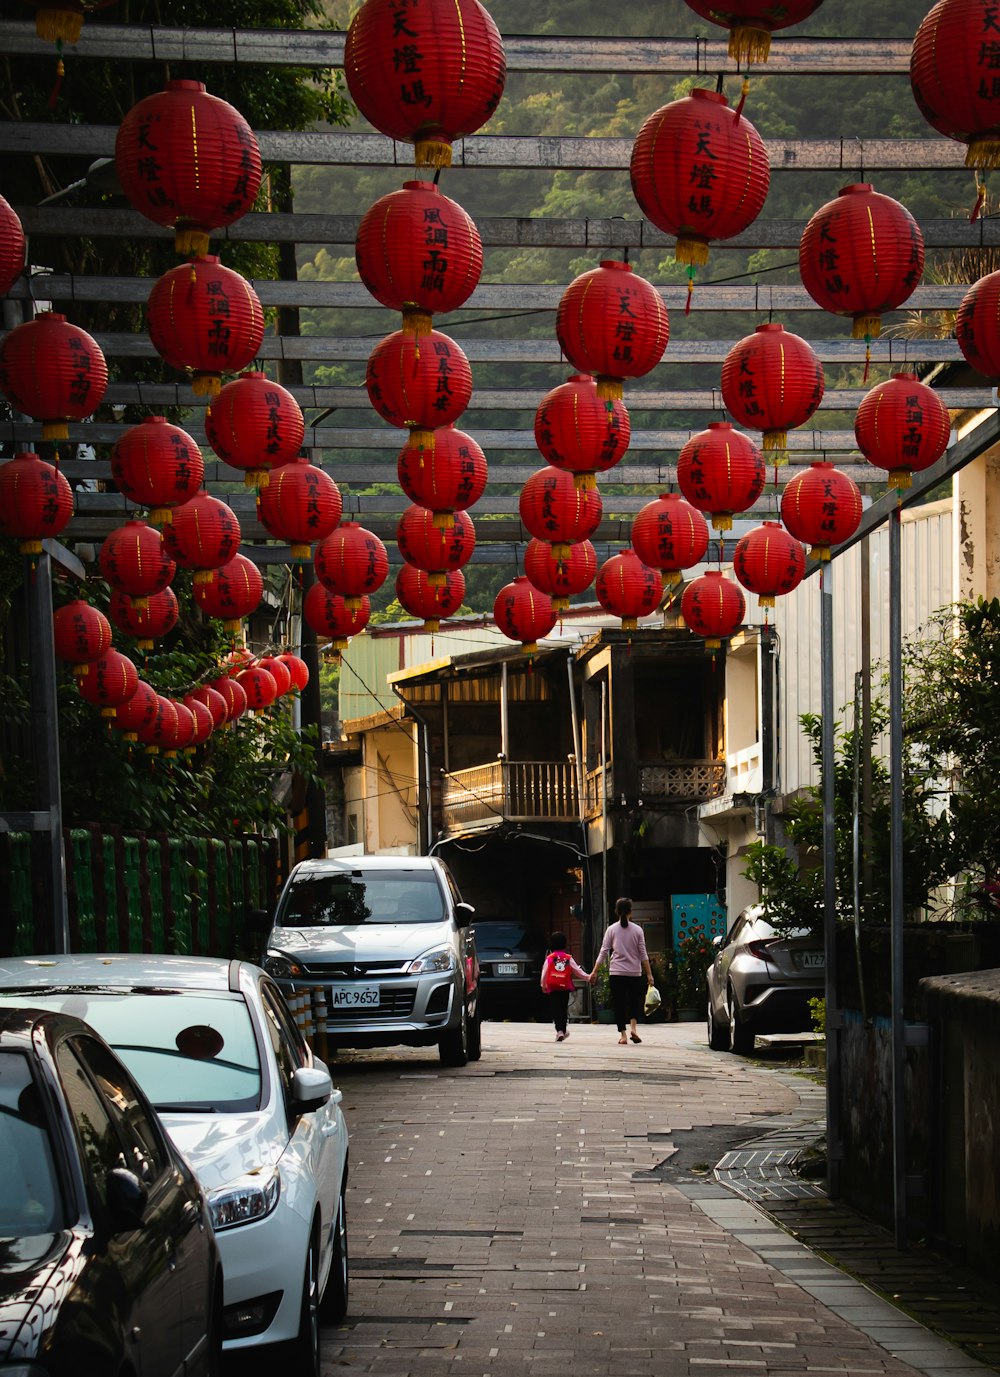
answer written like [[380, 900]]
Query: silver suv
[[385, 943]]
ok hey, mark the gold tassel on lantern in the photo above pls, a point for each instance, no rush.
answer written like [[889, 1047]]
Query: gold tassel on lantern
[[190, 240], [749, 45], [206, 384], [55, 430], [257, 479], [421, 439], [55, 25], [776, 439], [866, 327], [722, 521], [585, 481], [416, 322], [443, 521], [983, 151], [900, 478], [432, 152], [609, 389], [691, 250]]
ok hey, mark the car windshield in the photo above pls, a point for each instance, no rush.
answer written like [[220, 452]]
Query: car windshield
[[188, 1051], [30, 1199], [346, 898], [504, 937]]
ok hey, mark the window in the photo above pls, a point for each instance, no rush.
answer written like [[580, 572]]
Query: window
[[30, 1197], [290, 1050], [146, 1153], [99, 1144]]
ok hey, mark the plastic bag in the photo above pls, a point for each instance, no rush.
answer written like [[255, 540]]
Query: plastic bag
[[652, 1001]]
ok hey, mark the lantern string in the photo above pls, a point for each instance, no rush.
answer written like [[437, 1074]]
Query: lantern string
[[980, 199], [868, 358], [690, 289], [744, 92]]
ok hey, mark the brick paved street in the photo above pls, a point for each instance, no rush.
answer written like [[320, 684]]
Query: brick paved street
[[551, 1209]]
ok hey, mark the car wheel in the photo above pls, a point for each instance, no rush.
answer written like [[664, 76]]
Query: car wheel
[[304, 1348], [718, 1036], [454, 1045], [741, 1038], [475, 1036], [333, 1306]]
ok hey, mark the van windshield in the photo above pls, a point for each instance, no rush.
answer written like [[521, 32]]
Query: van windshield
[[343, 899]]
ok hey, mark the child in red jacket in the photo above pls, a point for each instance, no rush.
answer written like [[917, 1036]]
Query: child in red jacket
[[560, 973]]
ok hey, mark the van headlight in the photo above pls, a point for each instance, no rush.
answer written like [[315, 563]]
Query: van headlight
[[244, 1200], [281, 967], [438, 959]]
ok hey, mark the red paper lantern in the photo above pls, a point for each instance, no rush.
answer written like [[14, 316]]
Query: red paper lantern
[[53, 372], [554, 509], [147, 619], [160, 732], [447, 478], [953, 76], [138, 712], [238, 659], [185, 729], [613, 323], [772, 381], [206, 320], [713, 606], [977, 326], [699, 171], [278, 671], [560, 577], [255, 425], [134, 560], [157, 465], [214, 701], [902, 425], [425, 71], [36, 502], [419, 252], [751, 23], [301, 504], [418, 596], [330, 614], [351, 562], [204, 535], [80, 633], [432, 548], [628, 589], [11, 247], [768, 561], [861, 255], [721, 471], [579, 431], [259, 687], [822, 507], [231, 592], [523, 613], [204, 722], [233, 695], [419, 382], [297, 669], [188, 161], [670, 535], [108, 682]]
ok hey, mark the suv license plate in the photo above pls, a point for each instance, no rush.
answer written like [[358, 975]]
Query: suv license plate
[[506, 968], [812, 960], [353, 996]]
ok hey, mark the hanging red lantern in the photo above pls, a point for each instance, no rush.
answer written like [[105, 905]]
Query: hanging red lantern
[[699, 171], [11, 247], [278, 671], [451, 476], [769, 561], [560, 577], [953, 76], [187, 161], [233, 695], [231, 592], [213, 700], [772, 381], [670, 535], [860, 256], [419, 252], [628, 589], [902, 425], [160, 732], [182, 732], [147, 619], [822, 507], [418, 596], [204, 535], [713, 607], [238, 659], [204, 723], [80, 633], [419, 382], [430, 547], [206, 320], [720, 471], [577, 430], [351, 562], [298, 670], [259, 687], [751, 23], [523, 613], [554, 509], [157, 465], [255, 425], [301, 504], [136, 713], [108, 682], [133, 560], [53, 372], [977, 326], [613, 323], [425, 72], [36, 502], [329, 614]]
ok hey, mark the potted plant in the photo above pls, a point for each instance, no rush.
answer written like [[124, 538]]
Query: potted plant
[[693, 954], [601, 995]]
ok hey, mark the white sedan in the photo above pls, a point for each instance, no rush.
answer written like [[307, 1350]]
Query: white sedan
[[216, 1050]]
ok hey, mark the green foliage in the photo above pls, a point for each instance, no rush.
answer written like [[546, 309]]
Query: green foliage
[[693, 954], [817, 1013], [791, 897]]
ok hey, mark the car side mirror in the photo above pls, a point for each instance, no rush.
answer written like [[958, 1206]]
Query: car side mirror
[[126, 1199], [464, 914], [258, 920], [311, 1088], [717, 940]]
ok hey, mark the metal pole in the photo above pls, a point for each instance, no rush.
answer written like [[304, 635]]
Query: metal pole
[[833, 1136], [45, 735], [896, 875], [604, 805]]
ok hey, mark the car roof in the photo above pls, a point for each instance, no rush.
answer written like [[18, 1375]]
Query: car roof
[[203, 973], [346, 864]]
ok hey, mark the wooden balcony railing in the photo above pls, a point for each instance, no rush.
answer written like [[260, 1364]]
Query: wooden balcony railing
[[695, 781], [512, 791]]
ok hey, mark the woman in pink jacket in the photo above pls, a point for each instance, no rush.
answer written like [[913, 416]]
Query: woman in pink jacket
[[625, 943]]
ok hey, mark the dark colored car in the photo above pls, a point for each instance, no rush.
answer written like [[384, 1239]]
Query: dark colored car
[[510, 967], [761, 981], [109, 1263]]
